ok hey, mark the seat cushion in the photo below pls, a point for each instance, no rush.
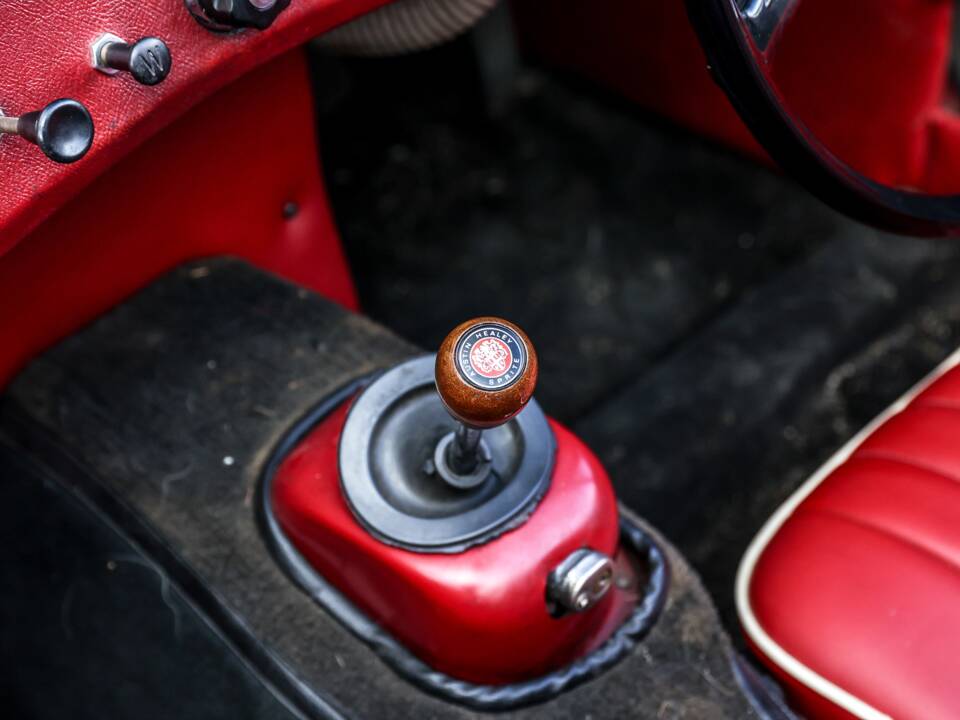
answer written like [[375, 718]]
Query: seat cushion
[[851, 591]]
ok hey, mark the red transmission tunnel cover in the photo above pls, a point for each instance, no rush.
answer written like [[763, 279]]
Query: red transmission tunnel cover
[[851, 591]]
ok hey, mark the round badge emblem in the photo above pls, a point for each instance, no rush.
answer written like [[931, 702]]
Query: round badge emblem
[[490, 356]]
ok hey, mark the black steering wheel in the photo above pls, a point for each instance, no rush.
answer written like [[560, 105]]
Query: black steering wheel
[[738, 37]]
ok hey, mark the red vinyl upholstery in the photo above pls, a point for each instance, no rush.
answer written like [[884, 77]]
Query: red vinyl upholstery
[[851, 592], [45, 54]]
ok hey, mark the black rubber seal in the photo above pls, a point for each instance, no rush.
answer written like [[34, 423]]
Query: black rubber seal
[[503, 503], [489, 698]]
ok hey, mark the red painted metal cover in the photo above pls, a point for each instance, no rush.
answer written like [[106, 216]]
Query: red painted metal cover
[[479, 615]]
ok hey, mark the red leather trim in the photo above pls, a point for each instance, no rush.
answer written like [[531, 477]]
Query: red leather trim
[[861, 583], [201, 187], [45, 54]]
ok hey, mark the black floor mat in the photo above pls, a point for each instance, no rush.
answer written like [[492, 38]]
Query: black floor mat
[[711, 330], [610, 240]]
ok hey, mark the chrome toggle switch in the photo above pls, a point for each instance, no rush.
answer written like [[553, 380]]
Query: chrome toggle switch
[[63, 130], [147, 60]]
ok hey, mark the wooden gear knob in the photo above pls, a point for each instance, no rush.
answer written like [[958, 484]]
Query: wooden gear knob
[[486, 371]]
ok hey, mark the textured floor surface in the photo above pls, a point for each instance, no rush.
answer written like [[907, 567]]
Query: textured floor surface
[[710, 329]]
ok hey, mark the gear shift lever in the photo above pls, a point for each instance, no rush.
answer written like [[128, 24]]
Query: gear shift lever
[[486, 371], [436, 452], [448, 507]]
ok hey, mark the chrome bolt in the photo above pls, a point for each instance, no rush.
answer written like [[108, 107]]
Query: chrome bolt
[[579, 582]]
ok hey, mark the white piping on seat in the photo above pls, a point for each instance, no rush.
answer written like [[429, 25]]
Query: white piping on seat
[[751, 626]]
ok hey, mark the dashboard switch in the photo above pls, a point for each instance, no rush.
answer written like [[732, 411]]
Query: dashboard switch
[[147, 60], [227, 15], [63, 130]]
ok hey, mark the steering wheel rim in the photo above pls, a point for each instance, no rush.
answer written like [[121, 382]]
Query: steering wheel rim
[[729, 51]]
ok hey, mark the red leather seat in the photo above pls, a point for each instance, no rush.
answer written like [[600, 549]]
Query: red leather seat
[[851, 591]]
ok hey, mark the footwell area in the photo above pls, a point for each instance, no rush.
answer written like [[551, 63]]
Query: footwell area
[[156, 422], [710, 329]]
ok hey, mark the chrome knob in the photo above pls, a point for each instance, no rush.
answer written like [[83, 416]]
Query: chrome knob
[[579, 582]]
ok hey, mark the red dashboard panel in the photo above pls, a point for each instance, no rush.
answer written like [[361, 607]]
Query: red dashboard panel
[[200, 187], [45, 54]]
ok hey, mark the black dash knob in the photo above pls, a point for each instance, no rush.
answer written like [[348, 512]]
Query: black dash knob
[[63, 129], [226, 15], [148, 59]]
